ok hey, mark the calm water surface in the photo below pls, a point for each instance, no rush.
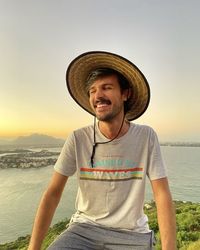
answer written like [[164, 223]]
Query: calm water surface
[[21, 190]]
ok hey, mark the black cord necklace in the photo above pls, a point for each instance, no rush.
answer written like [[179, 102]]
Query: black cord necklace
[[96, 143]]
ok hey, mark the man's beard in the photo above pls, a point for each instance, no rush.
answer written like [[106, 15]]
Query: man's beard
[[107, 117]]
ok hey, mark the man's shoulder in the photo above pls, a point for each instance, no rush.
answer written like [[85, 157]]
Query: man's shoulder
[[142, 128], [83, 130]]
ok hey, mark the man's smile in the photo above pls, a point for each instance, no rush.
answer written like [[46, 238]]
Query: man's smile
[[102, 103]]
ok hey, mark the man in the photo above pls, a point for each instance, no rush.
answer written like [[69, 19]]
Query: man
[[112, 159]]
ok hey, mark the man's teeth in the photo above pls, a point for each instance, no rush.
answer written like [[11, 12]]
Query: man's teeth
[[101, 105]]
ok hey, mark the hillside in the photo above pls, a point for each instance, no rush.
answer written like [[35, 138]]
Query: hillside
[[188, 228], [34, 139]]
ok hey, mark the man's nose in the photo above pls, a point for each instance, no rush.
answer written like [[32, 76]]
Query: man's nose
[[99, 93]]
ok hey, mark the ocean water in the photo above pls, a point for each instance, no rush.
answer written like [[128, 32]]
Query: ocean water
[[21, 190]]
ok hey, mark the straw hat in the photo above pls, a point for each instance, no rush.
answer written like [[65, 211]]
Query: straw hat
[[80, 68]]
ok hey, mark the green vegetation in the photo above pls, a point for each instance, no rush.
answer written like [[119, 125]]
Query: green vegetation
[[188, 228], [188, 225], [22, 242]]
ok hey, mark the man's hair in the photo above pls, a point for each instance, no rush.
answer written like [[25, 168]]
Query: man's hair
[[103, 72]]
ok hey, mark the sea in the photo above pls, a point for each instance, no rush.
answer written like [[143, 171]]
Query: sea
[[21, 190]]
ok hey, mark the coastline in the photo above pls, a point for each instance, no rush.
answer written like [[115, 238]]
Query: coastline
[[188, 228], [184, 185], [23, 159], [29, 157]]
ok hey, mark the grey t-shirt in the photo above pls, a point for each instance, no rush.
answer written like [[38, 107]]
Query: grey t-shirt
[[112, 193]]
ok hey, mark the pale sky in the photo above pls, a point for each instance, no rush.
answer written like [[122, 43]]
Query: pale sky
[[39, 38]]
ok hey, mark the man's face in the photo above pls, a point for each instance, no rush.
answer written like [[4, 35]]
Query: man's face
[[106, 98]]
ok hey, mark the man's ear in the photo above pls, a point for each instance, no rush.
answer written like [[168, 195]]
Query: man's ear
[[126, 94]]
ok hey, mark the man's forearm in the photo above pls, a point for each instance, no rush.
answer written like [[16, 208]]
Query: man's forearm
[[165, 212], [167, 222], [43, 220]]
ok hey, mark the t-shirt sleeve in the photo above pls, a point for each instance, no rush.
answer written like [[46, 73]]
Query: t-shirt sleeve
[[66, 162], [156, 167]]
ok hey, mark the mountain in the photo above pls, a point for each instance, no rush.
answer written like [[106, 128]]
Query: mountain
[[37, 139]]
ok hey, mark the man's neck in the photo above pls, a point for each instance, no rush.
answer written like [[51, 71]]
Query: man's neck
[[111, 129]]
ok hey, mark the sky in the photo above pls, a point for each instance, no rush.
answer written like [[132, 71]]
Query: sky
[[39, 38]]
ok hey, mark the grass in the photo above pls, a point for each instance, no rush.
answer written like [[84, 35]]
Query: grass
[[188, 228]]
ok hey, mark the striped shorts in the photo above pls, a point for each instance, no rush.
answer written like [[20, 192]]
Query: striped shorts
[[82, 236]]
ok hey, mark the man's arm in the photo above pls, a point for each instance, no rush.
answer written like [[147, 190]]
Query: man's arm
[[165, 213], [47, 207]]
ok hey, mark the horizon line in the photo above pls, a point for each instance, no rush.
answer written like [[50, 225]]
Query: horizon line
[[10, 139]]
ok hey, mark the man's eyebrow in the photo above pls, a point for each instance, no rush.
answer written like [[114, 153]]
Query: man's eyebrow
[[108, 84], [103, 84], [91, 87]]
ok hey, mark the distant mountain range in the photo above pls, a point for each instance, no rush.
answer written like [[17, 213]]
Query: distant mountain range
[[40, 139], [34, 139]]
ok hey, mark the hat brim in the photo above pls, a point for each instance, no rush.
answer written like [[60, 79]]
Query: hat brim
[[80, 68]]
